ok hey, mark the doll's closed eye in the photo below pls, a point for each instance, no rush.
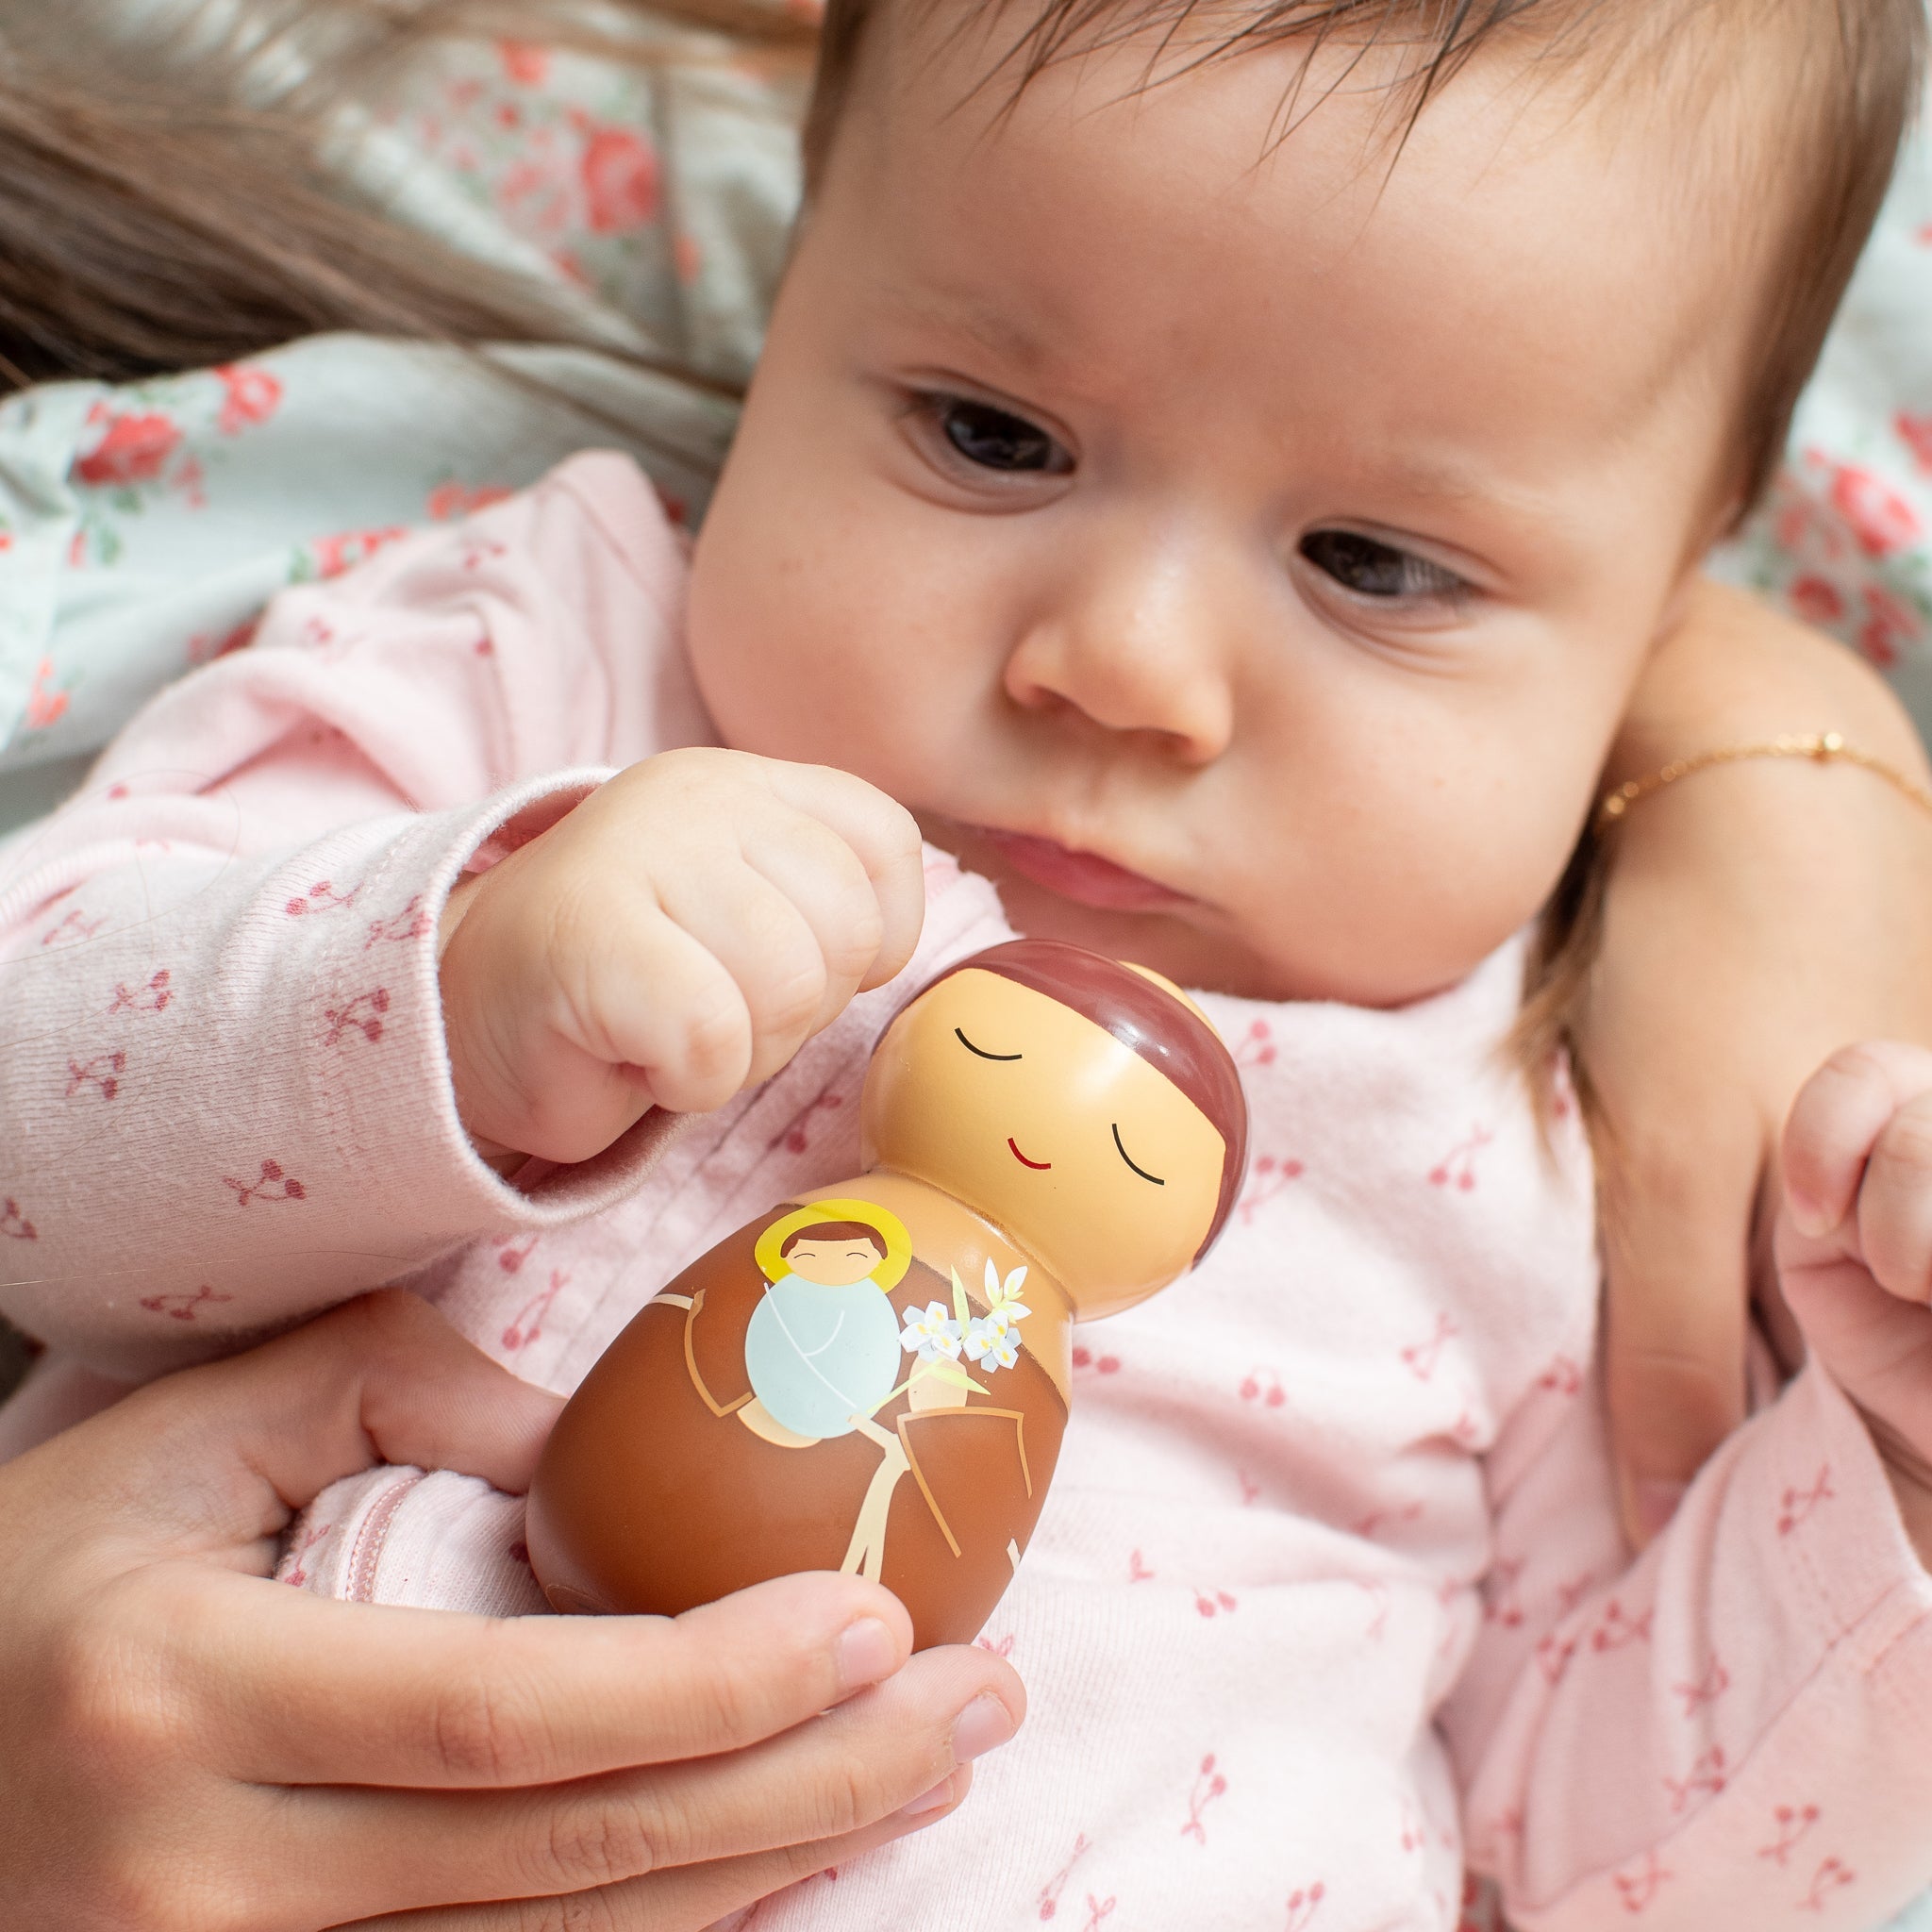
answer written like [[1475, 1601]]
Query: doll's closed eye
[[1155, 1178], [961, 1037]]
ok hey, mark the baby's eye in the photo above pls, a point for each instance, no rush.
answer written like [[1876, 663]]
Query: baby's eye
[[1373, 569], [996, 439]]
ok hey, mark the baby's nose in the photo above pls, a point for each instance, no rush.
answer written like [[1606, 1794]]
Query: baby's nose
[[1136, 640]]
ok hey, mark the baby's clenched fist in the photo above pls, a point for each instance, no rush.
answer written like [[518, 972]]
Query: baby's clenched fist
[[676, 938], [1855, 1248]]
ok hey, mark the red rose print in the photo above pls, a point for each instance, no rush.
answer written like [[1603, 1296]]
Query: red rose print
[[1881, 520], [347, 548], [525, 64], [253, 397], [448, 501], [1817, 600], [1915, 432], [44, 704], [135, 450], [620, 172]]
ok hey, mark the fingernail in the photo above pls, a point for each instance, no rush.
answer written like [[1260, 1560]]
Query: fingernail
[[865, 1653], [984, 1724], [1656, 1502], [935, 1800]]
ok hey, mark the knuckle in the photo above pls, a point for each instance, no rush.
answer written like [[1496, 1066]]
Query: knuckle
[[106, 1695], [132, 1883], [715, 1034], [605, 1840], [1905, 1145], [852, 1796], [580, 1911], [724, 1709], [480, 1733], [790, 1001], [861, 931]]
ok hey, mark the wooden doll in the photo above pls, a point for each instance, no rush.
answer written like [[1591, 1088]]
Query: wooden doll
[[875, 1379]]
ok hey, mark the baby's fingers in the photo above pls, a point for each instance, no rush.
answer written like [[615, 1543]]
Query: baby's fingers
[[884, 837], [1857, 1165]]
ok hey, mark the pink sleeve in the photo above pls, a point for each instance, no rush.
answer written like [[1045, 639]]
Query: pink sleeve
[[225, 1078], [1732, 1730]]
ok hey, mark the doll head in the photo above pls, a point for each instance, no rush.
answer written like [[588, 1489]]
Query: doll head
[[1085, 1106]]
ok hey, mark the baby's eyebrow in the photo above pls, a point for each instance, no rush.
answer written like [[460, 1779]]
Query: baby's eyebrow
[[995, 328]]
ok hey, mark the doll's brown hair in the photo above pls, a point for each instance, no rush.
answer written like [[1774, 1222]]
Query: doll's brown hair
[[834, 1231]]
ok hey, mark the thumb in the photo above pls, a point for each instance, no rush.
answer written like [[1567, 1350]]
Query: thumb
[[236, 1448], [1676, 1315]]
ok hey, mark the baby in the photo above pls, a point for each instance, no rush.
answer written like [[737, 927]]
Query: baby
[[1231, 517]]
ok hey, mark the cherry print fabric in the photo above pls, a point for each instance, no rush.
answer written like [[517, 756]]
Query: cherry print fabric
[[1330, 1564]]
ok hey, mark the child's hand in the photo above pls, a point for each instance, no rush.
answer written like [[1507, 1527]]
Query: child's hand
[[677, 937], [186, 1746], [1855, 1249], [1758, 917]]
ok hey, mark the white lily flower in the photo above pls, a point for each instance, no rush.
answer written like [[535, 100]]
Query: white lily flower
[[931, 1334], [992, 1342]]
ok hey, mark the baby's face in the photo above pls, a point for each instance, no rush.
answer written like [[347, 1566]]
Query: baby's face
[[1243, 554]]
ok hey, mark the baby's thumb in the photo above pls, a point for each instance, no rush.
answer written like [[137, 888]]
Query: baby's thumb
[[1675, 1321]]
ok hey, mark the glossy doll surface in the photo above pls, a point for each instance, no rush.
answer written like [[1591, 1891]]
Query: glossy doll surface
[[876, 1379]]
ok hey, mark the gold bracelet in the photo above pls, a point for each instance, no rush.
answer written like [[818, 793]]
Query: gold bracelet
[[1821, 747]]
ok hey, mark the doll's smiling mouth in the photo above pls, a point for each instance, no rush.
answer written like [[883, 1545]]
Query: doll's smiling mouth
[[1039, 1166]]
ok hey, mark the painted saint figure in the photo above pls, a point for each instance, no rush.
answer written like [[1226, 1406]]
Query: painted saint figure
[[823, 1348], [876, 1378]]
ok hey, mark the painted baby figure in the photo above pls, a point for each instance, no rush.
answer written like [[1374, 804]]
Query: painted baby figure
[[876, 1379]]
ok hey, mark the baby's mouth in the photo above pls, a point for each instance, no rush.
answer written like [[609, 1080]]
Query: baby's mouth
[[1082, 877]]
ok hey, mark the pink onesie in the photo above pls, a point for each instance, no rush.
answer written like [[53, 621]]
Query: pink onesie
[[1328, 1585]]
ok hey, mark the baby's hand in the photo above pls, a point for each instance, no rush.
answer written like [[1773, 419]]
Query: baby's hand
[[676, 937], [1855, 1249]]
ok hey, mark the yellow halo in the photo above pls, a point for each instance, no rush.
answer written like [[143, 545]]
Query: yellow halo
[[890, 1229]]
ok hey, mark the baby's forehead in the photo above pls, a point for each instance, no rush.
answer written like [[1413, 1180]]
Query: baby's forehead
[[1708, 103]]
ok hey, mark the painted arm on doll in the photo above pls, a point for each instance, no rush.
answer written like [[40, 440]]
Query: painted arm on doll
[[1758, 917]]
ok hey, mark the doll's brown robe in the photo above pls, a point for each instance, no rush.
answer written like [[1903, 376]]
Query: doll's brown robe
[[689, 1505]]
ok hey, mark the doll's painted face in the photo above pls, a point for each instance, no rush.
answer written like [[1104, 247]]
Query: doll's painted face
[[1080, 1148]]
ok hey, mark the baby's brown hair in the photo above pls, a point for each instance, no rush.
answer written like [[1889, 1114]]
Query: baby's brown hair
[[1851, 71]]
